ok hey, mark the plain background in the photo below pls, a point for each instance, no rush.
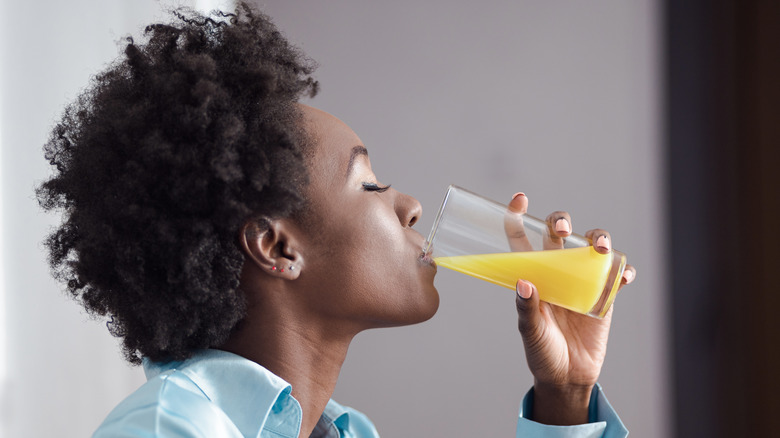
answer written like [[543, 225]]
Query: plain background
[[558, 99]]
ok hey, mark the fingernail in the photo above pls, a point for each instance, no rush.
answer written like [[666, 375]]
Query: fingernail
[[603, 243], [524, 290], [517, 195], [629, 276], [562, 226]]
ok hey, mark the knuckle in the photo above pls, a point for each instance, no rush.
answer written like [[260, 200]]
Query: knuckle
[[557, 215], [531, 335], [517, 233]]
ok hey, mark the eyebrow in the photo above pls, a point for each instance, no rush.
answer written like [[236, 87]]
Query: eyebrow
[[356, 151]]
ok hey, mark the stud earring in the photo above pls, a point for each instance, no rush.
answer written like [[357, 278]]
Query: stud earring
[[274, 268]]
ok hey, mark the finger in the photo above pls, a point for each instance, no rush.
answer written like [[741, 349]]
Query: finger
[[629, 275], [600, 239], [528, 314], [513, 223], [519, 203], [558, 227]]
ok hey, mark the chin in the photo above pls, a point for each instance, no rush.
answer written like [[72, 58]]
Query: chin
[[420, 306], [434, 303], [428, 307]]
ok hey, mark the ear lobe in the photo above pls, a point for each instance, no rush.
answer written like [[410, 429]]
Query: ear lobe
[[273, 247]]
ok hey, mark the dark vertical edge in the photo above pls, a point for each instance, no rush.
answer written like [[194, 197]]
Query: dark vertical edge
[[723, 139], [755, 370], [692, 217]]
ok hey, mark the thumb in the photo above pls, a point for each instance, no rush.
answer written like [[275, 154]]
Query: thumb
[[527, 302]]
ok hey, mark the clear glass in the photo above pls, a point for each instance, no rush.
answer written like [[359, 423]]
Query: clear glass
[[482, 238]]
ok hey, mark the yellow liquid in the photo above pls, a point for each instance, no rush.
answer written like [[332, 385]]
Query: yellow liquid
[[572, 278]]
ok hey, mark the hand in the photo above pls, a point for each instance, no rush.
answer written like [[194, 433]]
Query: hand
[[565, 350]]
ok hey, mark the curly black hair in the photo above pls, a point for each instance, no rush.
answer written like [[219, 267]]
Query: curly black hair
[[160, 162]]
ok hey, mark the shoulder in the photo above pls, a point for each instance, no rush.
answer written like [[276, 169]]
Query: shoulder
[[169, 404]]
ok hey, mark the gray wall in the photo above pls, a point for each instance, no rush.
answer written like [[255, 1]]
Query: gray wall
[[557, 99]]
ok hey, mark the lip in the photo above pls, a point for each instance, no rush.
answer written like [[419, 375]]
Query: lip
[[425, 257]]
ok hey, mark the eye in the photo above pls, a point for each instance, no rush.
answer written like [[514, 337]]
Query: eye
[[374, 187]]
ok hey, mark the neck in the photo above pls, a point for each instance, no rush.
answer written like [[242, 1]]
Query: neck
[[303, 352]]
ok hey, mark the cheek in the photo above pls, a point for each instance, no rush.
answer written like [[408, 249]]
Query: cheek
[[370, 253], [355, 244], [373, 245], [384, 244], [367, 268]]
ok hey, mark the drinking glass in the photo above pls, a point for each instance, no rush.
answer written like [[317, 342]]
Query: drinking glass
[[483, 238]]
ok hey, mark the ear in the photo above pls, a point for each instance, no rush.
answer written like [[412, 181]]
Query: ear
[[273, 246]]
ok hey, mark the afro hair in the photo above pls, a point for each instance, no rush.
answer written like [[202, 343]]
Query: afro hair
[[159, 163]]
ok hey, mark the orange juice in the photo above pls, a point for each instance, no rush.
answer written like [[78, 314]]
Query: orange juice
[[573, 278]]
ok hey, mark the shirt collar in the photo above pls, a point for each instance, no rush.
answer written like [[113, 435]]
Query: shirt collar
[[335, 417], [250, 395]]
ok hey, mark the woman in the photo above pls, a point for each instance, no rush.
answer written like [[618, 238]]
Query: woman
[[239, 240]]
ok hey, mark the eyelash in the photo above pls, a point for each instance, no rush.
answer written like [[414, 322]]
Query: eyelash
[[373, 187]]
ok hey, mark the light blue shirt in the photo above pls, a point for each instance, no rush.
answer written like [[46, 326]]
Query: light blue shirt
[[217, 394]]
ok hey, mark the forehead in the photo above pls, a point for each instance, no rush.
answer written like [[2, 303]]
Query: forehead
[[333, 144]]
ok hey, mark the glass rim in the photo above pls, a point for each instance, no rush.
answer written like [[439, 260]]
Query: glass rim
[[429, 241]]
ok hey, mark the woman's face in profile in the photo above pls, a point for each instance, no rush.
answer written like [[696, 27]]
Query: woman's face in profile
[[362, 258]]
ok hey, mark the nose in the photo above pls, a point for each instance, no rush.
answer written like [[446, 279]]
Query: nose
[[408, 209]]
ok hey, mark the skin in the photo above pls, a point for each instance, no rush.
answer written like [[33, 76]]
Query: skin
[[565, 350], [357, 264]]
